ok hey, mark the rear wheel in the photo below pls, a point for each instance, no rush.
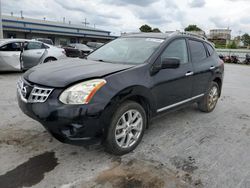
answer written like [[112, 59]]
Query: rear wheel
[[49, 59], [126, 128], [209, 101]]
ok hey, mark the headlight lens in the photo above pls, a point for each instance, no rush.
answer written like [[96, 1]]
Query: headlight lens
[[81, 93]]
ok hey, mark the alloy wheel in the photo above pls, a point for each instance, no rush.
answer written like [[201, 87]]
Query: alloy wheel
[[128, 128], [213, 97]]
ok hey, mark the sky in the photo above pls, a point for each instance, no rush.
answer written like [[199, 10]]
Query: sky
[[128, 15]]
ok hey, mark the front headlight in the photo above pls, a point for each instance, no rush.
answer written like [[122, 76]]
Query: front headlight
[[81, 93]]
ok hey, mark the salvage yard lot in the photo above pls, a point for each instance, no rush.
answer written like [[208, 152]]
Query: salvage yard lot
[[186, 148]]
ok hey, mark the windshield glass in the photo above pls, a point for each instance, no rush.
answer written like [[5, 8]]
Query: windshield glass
[[126, 50]]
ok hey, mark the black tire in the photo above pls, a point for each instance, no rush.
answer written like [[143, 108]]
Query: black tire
[[49, 59], [110, 142], [204, 104]]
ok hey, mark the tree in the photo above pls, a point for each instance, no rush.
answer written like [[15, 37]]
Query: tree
[[245, 39], [192, 28], [156, 30], [232, 45], [145, 28]]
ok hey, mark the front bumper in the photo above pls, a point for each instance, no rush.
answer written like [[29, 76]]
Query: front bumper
[[74, 124]]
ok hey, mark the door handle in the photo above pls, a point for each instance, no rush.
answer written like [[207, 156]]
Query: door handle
[[212, 67], [38, 52], [189, 73]]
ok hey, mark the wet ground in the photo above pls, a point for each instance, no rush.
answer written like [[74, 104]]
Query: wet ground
[[186, 148]]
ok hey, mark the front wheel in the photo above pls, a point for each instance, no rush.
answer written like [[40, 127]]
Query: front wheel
[[126, 128], [209, 101]]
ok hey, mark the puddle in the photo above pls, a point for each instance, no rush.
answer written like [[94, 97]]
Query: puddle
[[137, 174], [30, 172]]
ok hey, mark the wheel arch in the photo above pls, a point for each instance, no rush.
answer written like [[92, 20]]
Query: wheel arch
[[219, 82], [139, 94]]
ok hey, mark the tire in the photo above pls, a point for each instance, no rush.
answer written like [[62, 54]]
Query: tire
[[120, 124], [49, 59], [209, 101]]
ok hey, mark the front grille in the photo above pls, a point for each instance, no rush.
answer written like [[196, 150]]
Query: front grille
[[39, 94], [32, 93]]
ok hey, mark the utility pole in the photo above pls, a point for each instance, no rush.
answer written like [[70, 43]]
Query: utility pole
[[1, 24], [85, 22]]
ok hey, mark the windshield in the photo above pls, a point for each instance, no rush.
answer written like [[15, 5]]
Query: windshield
[[126, 50]]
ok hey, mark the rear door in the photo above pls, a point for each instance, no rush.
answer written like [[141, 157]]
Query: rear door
[[10, 56], [32, 54], [203, 66], [173, 86]]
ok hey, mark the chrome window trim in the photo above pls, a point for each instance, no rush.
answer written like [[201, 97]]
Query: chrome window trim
[[179, 103]]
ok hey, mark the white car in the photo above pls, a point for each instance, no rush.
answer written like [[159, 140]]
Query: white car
[[22, 54]]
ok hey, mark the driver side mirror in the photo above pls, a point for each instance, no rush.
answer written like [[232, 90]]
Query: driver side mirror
[[170, 63]]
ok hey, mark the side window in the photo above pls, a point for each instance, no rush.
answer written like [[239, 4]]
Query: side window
[[209, 48], [198, 51], [34, 45], [14, 46], [176, 49]]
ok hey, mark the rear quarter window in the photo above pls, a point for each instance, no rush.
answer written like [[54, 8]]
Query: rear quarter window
[[210, 49], [198, 51]]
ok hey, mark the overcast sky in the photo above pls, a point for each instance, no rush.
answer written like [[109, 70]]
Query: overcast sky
[[128, 15]]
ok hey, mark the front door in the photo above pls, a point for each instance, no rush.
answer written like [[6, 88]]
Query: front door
[[32, 54], [173, 86], [10, 56]]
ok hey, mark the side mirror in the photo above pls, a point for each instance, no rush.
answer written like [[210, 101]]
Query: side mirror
[[170, 63]]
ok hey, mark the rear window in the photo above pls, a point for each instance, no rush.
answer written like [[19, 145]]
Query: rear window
[[198, 51], [209, 48]]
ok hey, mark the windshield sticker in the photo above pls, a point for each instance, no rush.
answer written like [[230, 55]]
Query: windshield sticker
[[154, 40]]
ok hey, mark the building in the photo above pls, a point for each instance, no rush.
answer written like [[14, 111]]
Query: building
[[220, 36], [60, 33]]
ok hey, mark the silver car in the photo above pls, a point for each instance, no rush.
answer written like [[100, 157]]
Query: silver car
[[35, 52], [10, 50], [22, 54]]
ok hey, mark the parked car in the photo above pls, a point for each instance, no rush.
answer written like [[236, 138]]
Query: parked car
[[10, 50], [77, 50], [113, 93], [94, 45], [45, 40], [22, 54], [35, 52]]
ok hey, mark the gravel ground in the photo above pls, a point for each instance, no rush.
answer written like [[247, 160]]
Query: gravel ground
[[186, 148]]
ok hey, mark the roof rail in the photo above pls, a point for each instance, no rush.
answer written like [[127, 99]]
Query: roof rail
[[194, 35], [191, 34]]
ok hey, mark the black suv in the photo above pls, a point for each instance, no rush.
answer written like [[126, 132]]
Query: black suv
[[112, 94]]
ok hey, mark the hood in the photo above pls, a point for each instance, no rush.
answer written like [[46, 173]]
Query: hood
[[64, 72]]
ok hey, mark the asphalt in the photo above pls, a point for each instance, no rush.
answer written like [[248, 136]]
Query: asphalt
[[186, 148]]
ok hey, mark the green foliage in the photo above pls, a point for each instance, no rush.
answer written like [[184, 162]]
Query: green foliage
[[232, 45], [156, 30], [192, 28], [146, 28], [245, 39]]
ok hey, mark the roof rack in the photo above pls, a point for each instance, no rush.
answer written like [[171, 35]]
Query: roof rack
[[190, 34], [194, 35]]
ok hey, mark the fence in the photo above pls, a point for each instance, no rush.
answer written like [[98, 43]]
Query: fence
[[241, 53]]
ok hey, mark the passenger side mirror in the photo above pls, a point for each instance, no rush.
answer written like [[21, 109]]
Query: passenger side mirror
[[170, 63]]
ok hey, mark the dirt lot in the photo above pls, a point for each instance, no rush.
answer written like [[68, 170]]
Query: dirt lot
[[186, 148]]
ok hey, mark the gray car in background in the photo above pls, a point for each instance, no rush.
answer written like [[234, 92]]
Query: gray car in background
[[22, 54]]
